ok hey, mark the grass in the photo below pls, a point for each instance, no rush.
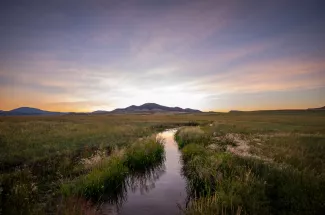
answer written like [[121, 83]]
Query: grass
[[50, 163], [76, 206], [56, 150], [19, 191], [228, 182], [144, 153], [190, 135], [108, 177], [306, 152], [281, 173]]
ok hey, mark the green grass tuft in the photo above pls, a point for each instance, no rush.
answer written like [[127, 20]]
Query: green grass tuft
[[109, 177], [189, 135], [144, 153]]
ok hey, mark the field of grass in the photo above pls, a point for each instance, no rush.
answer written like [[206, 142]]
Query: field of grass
[[46, 158], [270, 164], [242, 163]]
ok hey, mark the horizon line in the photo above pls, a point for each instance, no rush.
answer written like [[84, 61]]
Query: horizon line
[[213, 110]]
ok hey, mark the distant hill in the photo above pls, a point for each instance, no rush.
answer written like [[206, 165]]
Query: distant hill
[[320, 108], [234, 111], [153, 107], [28, 111], [282, 110], [100, 112]]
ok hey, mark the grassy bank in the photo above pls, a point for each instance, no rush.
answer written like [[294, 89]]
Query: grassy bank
[[107, 177], [249, 169]]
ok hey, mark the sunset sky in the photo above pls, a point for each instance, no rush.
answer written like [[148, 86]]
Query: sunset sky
[[211, 55]]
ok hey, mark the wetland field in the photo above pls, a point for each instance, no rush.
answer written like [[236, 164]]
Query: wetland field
[[263, 162]]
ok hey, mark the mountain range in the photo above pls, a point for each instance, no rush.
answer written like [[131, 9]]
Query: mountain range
[[145, 108], [153, 107]]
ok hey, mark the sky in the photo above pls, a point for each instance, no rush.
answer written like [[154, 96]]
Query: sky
[[220, 55]]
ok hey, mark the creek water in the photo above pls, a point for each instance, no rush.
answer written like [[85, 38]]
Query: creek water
[[160, 191]]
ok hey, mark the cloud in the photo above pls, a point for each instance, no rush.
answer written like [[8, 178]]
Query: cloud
[[271, 75], [176, 30], [296, 99], [185, 52], [86, 105]]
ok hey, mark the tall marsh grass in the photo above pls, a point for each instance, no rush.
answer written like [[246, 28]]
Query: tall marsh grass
[[223, 183], [144, 153], [210, 205], [105, 178], [76, 206], [108, 177], [188, 135]]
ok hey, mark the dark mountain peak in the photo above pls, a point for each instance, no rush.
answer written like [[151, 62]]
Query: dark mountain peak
[[26, 109], [234, 111], [29, 111], [152, 107], [149, 103]]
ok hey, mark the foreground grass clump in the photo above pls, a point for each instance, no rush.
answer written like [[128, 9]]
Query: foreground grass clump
[[20, 191], [108, 177], [190, 151], [226, 184], [76, 206], [144, 153], [220, 182], [215, 179], [210, 205]]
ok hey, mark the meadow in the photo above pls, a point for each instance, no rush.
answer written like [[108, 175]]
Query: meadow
[[256, 163], [50, 162], [235, 163]]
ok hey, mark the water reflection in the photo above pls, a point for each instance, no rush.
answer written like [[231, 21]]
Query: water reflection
[[145, 181], [116, 197], [160, 189], [142, 181]]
